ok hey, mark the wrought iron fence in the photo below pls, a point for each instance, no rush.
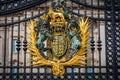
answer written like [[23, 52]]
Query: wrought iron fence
[[104, 52]]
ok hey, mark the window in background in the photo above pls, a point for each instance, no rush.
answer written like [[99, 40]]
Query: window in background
[[14, 45]]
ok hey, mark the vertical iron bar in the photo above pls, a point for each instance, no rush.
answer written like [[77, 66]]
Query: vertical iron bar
[[46, 6], [25, 45], [11, 57], [85, 54], [113, 37], [65, 2], [92, 41], [78, 9], [5, 36], [85, 8], [39, 10], [12, 32], [73, 75], [65, 74], [71, 6], [18, 47], [117, 39], [105, 15], [31, 70], [99, 41], [79, 73], [38, 73]]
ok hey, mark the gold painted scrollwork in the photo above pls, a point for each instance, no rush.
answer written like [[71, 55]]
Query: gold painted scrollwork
[[58, 67], [58, 64]]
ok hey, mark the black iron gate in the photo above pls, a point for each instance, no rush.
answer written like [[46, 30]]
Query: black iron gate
[[104, 62]]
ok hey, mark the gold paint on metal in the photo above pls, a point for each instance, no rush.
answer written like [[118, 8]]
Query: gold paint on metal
[[58, 64]]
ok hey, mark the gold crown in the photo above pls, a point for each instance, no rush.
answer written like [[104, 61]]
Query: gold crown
[[57, 17]]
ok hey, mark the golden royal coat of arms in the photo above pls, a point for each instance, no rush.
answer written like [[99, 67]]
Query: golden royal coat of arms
[[58, 39]]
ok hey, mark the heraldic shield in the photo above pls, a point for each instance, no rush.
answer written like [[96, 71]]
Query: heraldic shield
[[59, 45], [58, 39]]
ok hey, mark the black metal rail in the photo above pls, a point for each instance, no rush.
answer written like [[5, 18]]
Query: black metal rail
[[20, 7], [95, 6]]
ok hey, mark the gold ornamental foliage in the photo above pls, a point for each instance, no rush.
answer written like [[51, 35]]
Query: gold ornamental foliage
[[58, 67]]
